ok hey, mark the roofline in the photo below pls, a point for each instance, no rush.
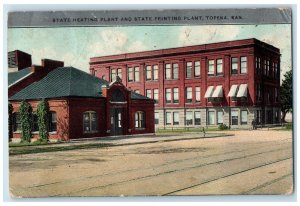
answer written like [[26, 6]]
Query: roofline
[[24, 77], [179, 50]]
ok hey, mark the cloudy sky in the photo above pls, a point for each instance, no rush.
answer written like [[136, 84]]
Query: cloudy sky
[[75, 45]]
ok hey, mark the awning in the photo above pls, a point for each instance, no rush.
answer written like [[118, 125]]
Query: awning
[[209, 92], [218, 91], [243, 92], [233, 89]]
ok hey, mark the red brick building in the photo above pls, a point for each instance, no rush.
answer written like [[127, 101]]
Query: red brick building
[[232, 82], [83, 106]]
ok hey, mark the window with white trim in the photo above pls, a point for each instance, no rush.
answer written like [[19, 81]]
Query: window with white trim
[[175, 118], [52, 127], [130, 74], [188, 95], [188, 70], [155, 72], [156, 118], [234, 65], [244, 116], [219, 66], [137, 74], [244, 65], [90, 122], [168, 95], [175, 71], [220, 117], [234, 117], [211, 67], [197, 118], [168, 71], [149, 93], [148, 73], [155, 95], [211, 118], [189, 118], [140, 119], [197, 69], [175, 95], [168, 118], [119, 72], [198, 94]]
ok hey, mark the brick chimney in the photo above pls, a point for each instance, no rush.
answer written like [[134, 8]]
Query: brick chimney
[[18, 60]]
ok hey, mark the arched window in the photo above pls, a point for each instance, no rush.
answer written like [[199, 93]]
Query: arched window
[[16, 122], [140, 119], [52, 127], [90, 122]]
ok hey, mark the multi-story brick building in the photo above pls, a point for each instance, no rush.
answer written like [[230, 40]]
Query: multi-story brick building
[[232, 82]]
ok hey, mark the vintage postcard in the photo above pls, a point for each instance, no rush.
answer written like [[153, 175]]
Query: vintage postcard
[[150, 103]]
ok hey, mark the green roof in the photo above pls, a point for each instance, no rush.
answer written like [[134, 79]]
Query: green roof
[[15, 76], [66, 82], [63, 82]]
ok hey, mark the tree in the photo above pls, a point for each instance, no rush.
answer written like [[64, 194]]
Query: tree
[[286, 94], [10, 120], [25, 111], [42, 113]]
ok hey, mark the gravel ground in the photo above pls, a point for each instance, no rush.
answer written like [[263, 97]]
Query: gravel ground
[[250, 162]]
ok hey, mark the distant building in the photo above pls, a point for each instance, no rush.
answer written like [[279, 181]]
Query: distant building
[[232, 83], [81, 105], [18, 60]]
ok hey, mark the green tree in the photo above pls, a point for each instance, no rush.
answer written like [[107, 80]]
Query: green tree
[[42, 113], [25, 112], [10, 119], [286, 94]]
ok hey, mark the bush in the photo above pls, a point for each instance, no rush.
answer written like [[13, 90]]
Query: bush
[[289, 126], [42, 112], [25, 111], [223, 127]]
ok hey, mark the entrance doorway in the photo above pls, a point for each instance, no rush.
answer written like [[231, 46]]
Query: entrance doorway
[[116, 120]]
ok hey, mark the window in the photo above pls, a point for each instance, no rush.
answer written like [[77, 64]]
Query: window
[[119, 73], [275, 70], [189, 118], [168, 118], [197, 94], [168, 71], [276, 95], [155, 95], [140, 119], [137, 91], [156, 118], [188, 71], [16, 122], [113, 75], [243, 65], [52, 122], [219, 66], [220, 117], [136, 74], [149, 93], [175, 95], [244, 117], [234, 118], [130, 74], [175, 71], [258, 65], [265, 67], [258, 117], [197, 118], [90, 122], [234, 65], [188, 95], [148, 73], [258, 92], [197, 69], [211, 67], [175, 118], [211, 118], [155, 72], [268, 68], [35, 123], [168, 96]]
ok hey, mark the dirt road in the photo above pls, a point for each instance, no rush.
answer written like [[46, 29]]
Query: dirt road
[[251, 162]]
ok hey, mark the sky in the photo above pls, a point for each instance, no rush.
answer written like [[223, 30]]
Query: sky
[[75, 45]]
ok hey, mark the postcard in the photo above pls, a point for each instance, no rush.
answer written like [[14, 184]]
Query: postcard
[[150, 103]]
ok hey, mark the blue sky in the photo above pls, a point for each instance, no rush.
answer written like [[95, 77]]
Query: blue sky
[[75, 45]]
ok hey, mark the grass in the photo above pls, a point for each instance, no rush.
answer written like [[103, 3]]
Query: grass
[[36, 143], [183, 130], [30, 149]]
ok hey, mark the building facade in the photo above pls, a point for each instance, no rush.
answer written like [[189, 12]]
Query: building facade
[[234, 83], [82, 106]]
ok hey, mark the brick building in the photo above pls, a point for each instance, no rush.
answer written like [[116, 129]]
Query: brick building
[[81, 105], [232, 82]]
